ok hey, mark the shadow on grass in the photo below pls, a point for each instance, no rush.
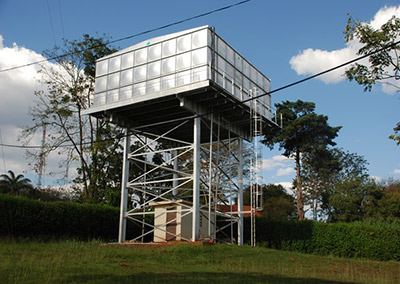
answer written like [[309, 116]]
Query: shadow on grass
[[196, 278]]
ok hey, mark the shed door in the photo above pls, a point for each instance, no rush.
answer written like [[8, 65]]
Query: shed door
[[171, 227]]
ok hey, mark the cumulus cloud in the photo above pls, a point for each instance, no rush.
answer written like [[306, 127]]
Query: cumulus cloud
[[396, 171], [275, 162], [17, 95], [312, 61], [376, 178], [281, 165], [285, 171], [288, 186]]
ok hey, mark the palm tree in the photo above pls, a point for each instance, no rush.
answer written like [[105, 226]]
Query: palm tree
[[10, 183]]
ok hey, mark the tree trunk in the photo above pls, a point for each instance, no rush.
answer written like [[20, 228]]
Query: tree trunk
[[299, 191]]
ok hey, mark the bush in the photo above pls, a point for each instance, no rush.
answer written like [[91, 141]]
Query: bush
[[23, 217], [378, 241]]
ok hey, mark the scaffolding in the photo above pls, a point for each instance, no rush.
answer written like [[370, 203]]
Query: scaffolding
[[198, 181], [188, 100]]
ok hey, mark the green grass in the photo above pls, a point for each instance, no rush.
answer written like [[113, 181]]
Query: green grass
[[94, 262]]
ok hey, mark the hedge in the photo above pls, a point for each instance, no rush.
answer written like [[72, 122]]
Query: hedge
[[378, 241], [23, 217]]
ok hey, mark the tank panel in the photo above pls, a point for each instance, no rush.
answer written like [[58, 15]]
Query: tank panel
[[154, 68]]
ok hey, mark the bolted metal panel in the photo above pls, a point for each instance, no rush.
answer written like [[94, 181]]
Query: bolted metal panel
[[194, 92], [196, 64]]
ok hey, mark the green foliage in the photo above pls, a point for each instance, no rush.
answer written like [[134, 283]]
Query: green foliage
[[388, 202], [22, 217], [383, 65], [14, 184], [303, 131], [26, 218], [396, 135], [18, 185], [92, 145], [354, 200], [277, 203], [302, 128], [351, 240], [360, 199], [327, 172]]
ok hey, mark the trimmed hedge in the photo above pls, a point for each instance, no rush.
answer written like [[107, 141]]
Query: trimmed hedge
[[378, 241], [23, 217]]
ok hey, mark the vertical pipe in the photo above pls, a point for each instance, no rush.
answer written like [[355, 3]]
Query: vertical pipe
[[124, 190], [230, 183], [144, 196], [210, 176], [175, 176], [240, 196], [196, 179], [217, 176]]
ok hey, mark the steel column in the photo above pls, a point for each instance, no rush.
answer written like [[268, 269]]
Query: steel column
[[210, 185], [196, 179], [124, 189], [175, 174], [240, 195]]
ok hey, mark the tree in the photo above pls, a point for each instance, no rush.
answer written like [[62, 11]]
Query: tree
[[14, 184], [384, 66], [319, 169], [93, 143], [326, 172], [303, 130], [389, 204], [277, 203], [396, 135], [354, 200]]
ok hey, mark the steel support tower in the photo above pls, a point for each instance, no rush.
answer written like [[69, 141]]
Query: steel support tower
[[188, 102]]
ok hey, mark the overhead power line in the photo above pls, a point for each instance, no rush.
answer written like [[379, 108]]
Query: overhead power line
[[324, 72], [131, 36], [51, 23], [250, 99]]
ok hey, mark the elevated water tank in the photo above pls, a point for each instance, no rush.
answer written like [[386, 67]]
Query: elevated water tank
[[192, 72]]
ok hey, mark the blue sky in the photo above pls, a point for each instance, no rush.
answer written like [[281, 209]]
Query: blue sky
[[270, 34]]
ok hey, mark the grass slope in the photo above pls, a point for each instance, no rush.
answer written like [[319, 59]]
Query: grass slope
[[94, 262]]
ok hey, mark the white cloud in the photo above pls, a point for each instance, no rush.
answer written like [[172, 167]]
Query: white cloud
[[383, 15], [275, 162], [376, 178], [396, 171], [285, 171], [312, 61], [17, 95], [281, 165], [287, 185]]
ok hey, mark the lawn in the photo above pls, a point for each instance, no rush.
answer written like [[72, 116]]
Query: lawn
[[95, 262]]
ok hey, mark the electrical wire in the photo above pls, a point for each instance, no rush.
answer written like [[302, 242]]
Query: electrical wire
[[129, 37], [51, 23], [61, 19], [250, 99]]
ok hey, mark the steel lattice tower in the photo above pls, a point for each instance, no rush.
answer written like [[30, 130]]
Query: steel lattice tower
[[185, 98]]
